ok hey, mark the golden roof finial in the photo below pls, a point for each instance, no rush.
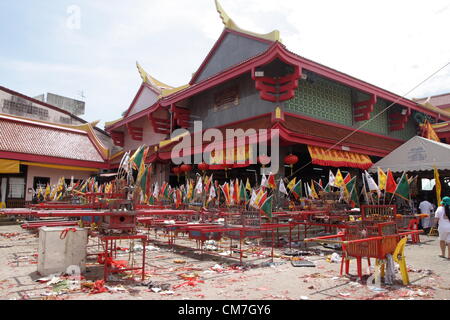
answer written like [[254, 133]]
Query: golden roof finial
[[230, 24], [152, 81], [162, 88], [142, 72]]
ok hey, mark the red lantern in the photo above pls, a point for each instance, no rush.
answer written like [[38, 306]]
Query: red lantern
[[291, 160], [185, 168], [203, 166], [177, 171], [264, 160]]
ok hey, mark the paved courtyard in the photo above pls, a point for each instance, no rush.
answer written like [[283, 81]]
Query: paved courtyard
[[179, 274]]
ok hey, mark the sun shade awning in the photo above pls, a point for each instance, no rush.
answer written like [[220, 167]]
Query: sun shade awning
[[417, 154], [337, 158]]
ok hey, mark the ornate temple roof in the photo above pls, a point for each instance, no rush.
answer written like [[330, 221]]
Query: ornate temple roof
[[31, 137]]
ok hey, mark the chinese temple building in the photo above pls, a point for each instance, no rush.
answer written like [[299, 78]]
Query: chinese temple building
[[38, 147], [253, 81]]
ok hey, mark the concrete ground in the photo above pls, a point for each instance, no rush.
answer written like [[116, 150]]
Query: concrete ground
[[180, 274]]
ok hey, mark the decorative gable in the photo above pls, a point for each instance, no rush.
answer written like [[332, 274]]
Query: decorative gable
[[231, 49], [145, 98]]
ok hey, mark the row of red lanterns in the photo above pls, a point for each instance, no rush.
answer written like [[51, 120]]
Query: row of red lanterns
[[290, 160], [185, 168]]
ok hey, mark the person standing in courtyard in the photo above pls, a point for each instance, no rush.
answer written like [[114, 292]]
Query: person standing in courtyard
[[443, 217], [426, 207]]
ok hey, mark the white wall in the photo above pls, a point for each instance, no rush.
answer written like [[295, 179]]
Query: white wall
[[53, 174]]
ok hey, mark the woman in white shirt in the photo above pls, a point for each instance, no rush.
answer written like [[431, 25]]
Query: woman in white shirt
[[443, 216]]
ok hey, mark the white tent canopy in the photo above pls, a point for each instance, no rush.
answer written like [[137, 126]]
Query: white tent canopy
[[417, 154]]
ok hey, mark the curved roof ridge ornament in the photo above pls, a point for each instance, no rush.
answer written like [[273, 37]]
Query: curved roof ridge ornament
[[230, 24], [89, 129], [146, 78]]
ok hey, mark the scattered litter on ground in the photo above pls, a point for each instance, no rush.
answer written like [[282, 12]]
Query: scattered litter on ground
[[160, 286], [9, 235], [334, 258], [116, 289], [167, 293], [191, 283], [179, 261], [303, 263], [344, 294], [98, 287]]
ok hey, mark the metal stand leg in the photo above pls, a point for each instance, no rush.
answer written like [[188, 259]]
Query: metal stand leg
[[105, 265], [144, 243], [273, 243]]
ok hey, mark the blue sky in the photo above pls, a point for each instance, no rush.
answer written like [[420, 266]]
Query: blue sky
[[392, 44]]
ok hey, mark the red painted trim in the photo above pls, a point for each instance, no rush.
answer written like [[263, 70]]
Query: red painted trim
[[363, 114], [181, 116], [136, 133], [53, 160], [443, 135], [118, 138], [398, 121], [134, 117], [341, 126], [141, 88], [294, 137], [227, 125], [277, 90], [363, 86], [272, 53], [278, 50], [160, 125]]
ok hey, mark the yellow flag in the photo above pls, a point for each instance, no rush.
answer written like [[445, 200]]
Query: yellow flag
[[313, 191], [431, 134], [438, 186], [382, 178], [248, 186], [291, 184], [339, 179], [259, 196], [47, 190]]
